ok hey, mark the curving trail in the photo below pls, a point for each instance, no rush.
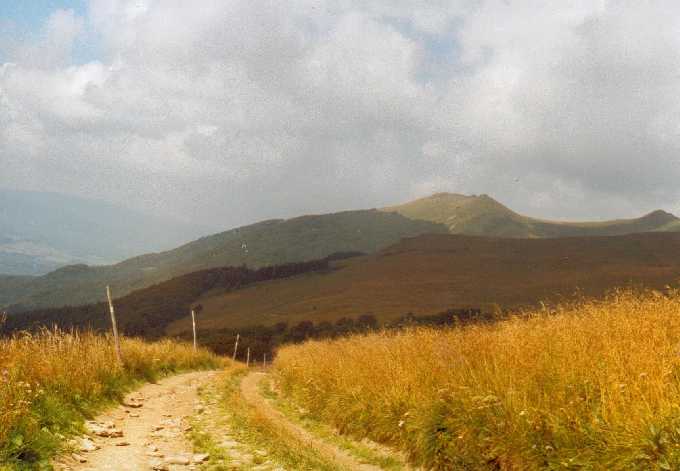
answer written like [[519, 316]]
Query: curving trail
[[251, 393]]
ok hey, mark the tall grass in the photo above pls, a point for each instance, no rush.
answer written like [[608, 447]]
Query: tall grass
[[592, 385], [51, 381]]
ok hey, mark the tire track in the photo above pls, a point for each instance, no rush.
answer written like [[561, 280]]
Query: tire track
[[251, 394]]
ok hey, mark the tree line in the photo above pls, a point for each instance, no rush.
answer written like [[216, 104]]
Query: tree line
[[264, 340], [147, 312]]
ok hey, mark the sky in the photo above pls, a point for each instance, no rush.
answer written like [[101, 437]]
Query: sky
[[226, 112]]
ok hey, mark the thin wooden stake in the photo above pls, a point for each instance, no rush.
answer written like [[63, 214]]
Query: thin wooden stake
[[114, 325], [235, 347], [193, 324], [264, 360], [248, 358]]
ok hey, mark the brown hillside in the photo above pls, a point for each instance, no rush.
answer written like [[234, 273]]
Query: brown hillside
[[431, 273]]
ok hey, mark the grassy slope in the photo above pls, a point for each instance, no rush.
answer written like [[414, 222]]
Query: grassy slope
[[265, 243], [146, 312], [51, 381], [13, 286], [591, 386], [482, 215], [429, 274]]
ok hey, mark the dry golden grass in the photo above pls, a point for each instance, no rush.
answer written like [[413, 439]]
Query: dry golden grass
[[593, 385], [50, 381]]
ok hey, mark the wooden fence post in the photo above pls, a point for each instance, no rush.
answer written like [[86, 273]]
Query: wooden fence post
[[235, 347], [193, 324], [114, 325], [248, 358], [264, 360]]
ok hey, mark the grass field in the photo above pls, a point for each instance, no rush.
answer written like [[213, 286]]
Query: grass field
[[51, 381], [429, 274], [591, 385]]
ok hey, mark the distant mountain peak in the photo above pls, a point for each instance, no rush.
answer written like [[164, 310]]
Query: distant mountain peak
[[485, 216], [661, 215], [446, 194]]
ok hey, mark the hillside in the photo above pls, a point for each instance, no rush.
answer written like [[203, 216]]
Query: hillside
[[147, 311], [304, 238], [433, 277], [482, 215], [40, 232], [266, 243], [13, 286], [429, 274]]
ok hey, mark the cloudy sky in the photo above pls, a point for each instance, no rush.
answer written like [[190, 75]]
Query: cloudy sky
[[225, 112]]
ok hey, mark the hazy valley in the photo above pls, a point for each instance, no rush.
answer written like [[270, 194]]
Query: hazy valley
[[41, 232]]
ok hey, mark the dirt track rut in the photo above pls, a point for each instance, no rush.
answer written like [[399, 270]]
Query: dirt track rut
[[251, 393]]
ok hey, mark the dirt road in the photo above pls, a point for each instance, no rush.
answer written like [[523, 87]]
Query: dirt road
[[251, 393], [152, 422], [148, 432]]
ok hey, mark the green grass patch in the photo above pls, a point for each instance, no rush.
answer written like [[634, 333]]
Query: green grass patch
[[252, 431]]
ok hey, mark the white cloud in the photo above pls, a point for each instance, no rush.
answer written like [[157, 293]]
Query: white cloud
[[241, 110]]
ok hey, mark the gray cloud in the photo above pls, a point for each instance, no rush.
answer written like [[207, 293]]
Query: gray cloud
[[243, 110]]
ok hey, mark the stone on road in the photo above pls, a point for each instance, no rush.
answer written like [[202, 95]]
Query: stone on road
[[153, 437]]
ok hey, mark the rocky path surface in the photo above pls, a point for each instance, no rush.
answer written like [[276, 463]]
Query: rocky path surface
[[251, 393], [147, 432]]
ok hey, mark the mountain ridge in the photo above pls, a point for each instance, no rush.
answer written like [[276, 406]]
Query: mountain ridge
[[431, 276], [431, 273], [309, 237], [483, 215], [270, 242]]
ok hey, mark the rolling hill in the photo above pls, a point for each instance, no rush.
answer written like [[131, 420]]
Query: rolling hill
[[13, 286], [422, 276], [307, 238], [266, 243], [432, 273], [146, 311], [484, 216]]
